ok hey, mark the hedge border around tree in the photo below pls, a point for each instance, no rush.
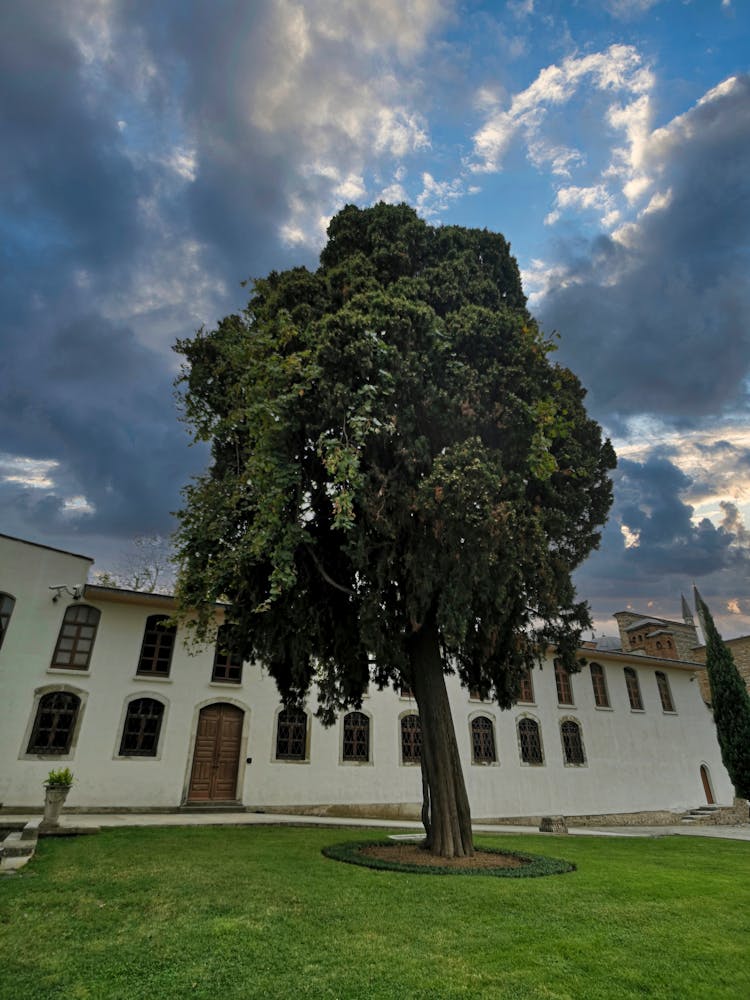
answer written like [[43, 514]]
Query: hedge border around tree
[[536, 864]]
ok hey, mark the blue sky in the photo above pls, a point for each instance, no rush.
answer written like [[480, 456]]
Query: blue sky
[[155, 155]]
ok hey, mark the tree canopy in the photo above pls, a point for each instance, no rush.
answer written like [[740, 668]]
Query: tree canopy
[[393, 453]]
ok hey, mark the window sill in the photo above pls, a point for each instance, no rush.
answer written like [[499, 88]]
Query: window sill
[[225, 684], [68, 672], [355, 763], [151, 679], [284, 760], [485, 763], [665, 712], [604, 708], [569, 705], [49, 757], [638, 711]]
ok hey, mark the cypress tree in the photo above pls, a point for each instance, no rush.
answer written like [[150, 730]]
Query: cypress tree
[[402, 482], [730, 702]]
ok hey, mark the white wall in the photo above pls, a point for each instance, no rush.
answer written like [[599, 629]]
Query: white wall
[[634, 760]]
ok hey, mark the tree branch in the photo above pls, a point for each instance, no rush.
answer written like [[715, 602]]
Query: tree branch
[[327, 578]]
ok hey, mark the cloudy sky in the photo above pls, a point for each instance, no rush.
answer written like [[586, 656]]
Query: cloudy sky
[[154, 155]]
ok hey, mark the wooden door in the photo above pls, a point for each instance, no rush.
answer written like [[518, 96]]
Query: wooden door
[[216, 757], [707, 785]]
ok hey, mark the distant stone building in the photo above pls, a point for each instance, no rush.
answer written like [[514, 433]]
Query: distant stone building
[[662, 637]]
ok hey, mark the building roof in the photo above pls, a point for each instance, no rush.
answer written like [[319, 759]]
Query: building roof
[[50, 548]]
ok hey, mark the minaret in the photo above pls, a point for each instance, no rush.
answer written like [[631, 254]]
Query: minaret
[[687, 614], [699, 605]]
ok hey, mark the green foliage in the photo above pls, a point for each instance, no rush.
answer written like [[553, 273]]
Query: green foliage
[[390, 441], [534, 865], [60, 778], [730, 702]]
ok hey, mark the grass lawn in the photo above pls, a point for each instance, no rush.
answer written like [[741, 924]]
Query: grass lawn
[[257, 912]]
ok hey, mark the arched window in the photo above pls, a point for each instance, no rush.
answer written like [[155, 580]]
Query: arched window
[[562, 680], [140, 733], [291, 734], [572, 742], [411, 739], [482, 740], [356, 737], [75, 642], [599, 684], [634, 689], [6, 610], [54, 724], [530, 741], [664, 691], [157, 647], [227, 664], [526, 688]]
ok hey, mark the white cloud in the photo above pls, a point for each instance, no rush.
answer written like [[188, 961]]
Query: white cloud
[[626, 9], [435, 196], [34, 473], [532, 116], [618, 68]]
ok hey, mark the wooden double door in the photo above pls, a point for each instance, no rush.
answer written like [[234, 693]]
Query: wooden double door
[[216, 758]]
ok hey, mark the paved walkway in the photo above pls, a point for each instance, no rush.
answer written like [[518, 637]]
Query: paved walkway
[[89, 820]]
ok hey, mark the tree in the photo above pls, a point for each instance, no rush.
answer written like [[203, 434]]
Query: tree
[[729, 700], [147, 565], [401, 481]]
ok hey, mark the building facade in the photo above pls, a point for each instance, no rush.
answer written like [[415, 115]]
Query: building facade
[[98, 680]]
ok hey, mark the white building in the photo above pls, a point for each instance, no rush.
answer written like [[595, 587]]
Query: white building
[[91, 679]]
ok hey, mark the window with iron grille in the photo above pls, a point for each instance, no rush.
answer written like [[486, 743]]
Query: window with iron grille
[[411, 739], [599, 684], [157, 647], [75, 642], [482, 740], [291, 734], [55, 722], [140, 734], [356, 737], [572, 742], [526, 688], [530, 742], [227, 664], [6, 610], [634, 689], [664, 692], [562, 680]]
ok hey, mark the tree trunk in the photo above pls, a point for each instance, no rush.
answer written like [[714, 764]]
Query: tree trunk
[[445, 811]]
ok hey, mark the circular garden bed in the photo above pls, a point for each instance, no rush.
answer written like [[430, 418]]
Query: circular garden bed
[[413, 858]]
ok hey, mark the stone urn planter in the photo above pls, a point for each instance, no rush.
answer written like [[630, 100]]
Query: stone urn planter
[[56, 789]]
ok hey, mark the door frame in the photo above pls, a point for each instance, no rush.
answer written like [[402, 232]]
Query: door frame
[[218, 699]]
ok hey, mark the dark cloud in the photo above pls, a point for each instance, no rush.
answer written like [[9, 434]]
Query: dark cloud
[[107, 416], [92, 221], [663, 326], [671, 551]]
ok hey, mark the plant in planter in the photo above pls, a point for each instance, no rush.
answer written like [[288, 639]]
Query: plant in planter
[[57, 786]]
